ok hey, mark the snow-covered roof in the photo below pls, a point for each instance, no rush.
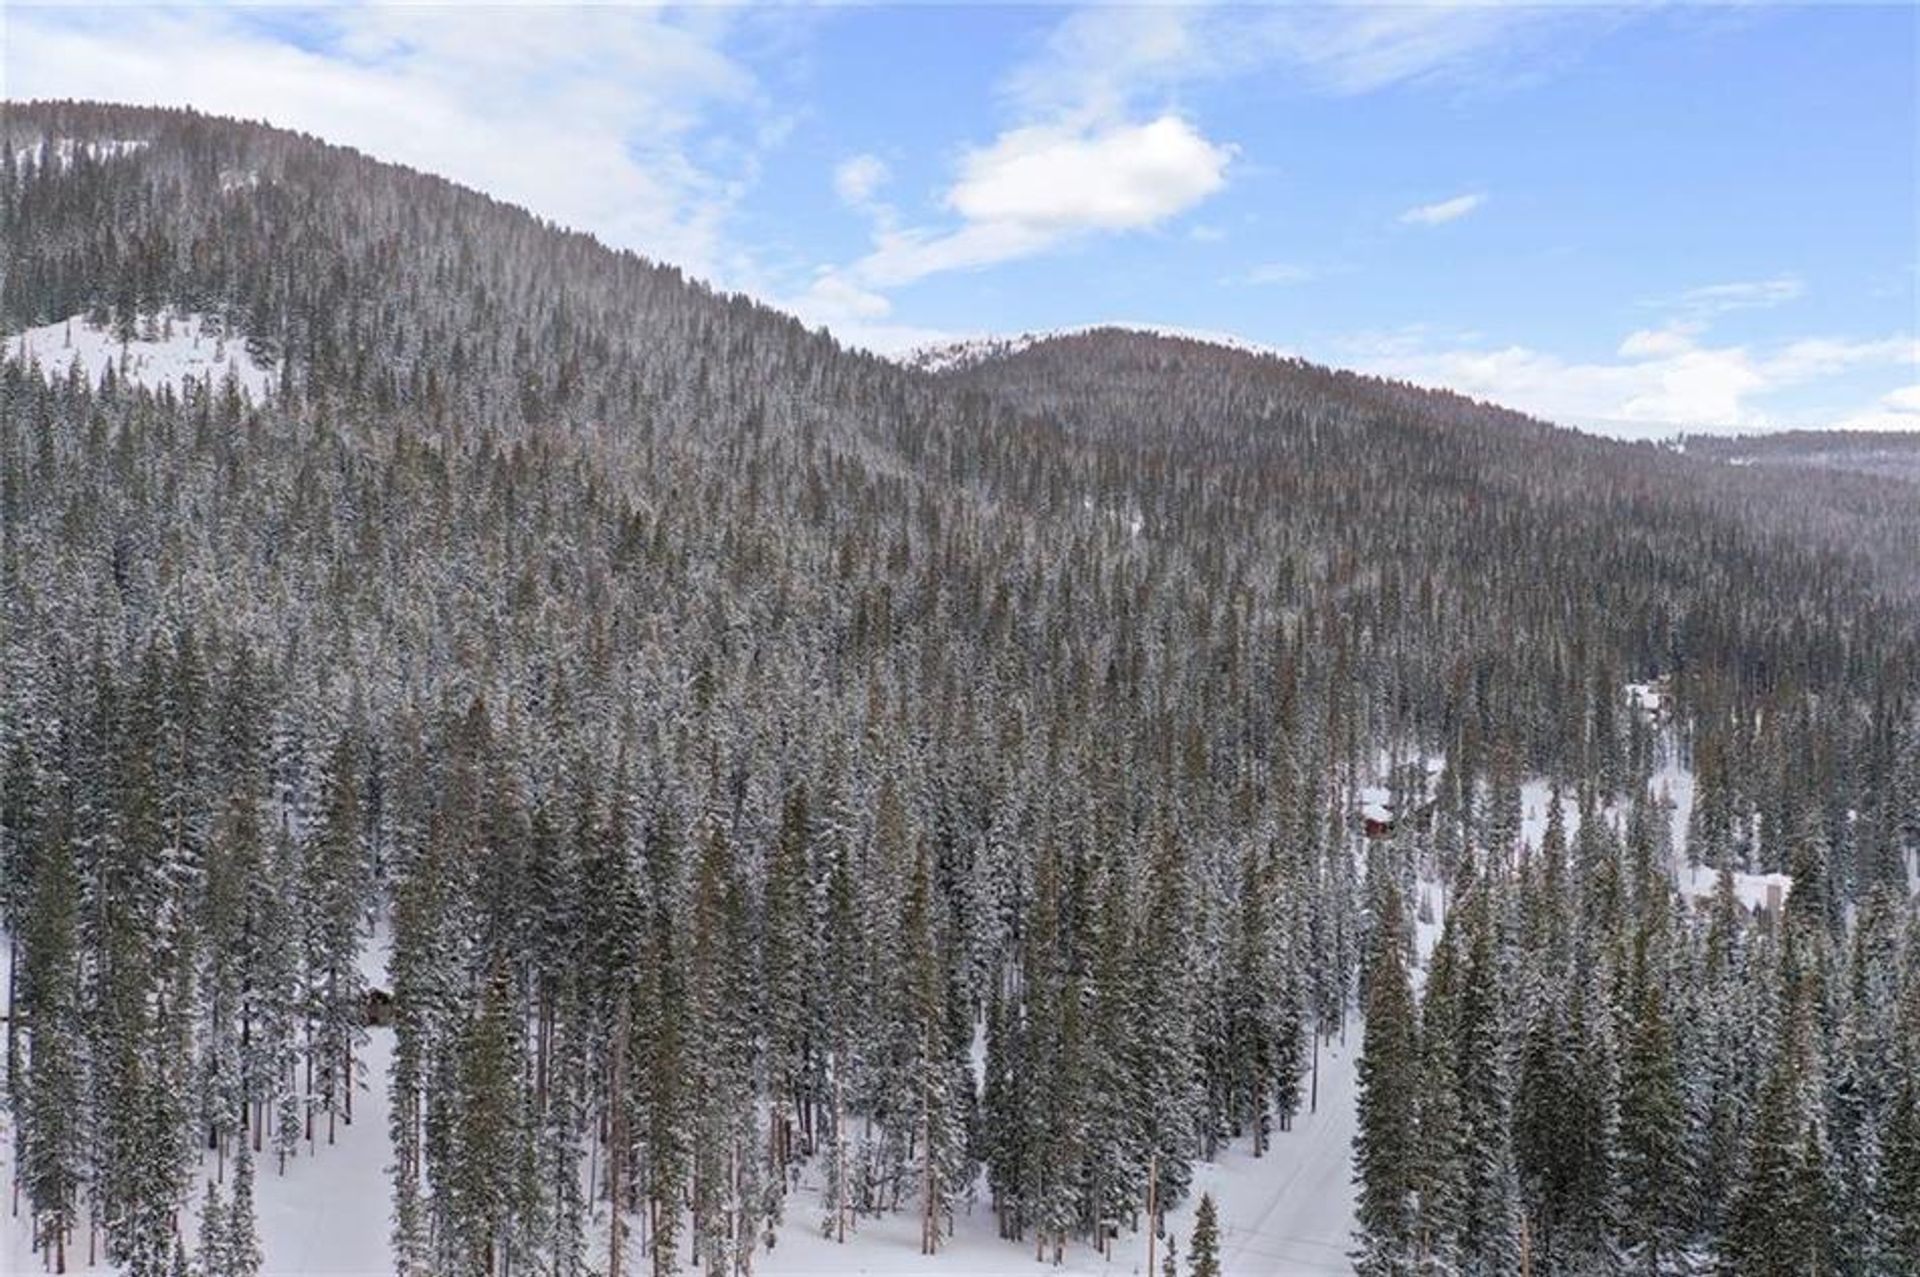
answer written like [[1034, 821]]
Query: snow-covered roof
[[1754, 891]]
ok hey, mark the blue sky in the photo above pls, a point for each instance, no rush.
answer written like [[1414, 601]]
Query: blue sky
[[1634, 219]]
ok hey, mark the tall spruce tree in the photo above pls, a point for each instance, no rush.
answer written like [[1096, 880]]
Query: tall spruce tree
[[1387, 1178]]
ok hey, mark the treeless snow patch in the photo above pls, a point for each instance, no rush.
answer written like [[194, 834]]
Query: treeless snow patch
[[165, 349], [59, 152]]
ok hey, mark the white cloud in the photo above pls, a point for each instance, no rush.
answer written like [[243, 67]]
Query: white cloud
[[903, 256], [1103, 57], [1099, 144], [1656, 343], [593, 117], [1030, 190], [1079, 159], [1712, 300], [1279, 273], [1905, 399], [1450, 210], [1662, 380], [1811, 358], [1036, 187], [858, 177], [1362, 48], [1099, 59], [832, 296], [1122, 177], [1896, 410]]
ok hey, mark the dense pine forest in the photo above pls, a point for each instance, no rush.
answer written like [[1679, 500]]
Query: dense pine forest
[[759, 786]]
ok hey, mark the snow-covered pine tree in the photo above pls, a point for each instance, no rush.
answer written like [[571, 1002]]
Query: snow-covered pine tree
[[1653, 1153], [241, 1249], [1780, 1220], [334, 895], [1203, 1257], [52, 1127], [1387, 1179]]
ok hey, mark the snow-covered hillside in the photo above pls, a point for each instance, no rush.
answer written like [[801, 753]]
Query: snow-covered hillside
[[955, 355], [1288, 1212], [61, 151], [165, 349]]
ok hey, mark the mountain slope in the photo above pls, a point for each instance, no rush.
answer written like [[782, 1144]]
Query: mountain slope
[[798, 788]]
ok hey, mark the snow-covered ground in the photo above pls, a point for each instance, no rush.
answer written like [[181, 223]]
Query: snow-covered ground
[[60, 151], [1289, 1212], [1754, 891], [1649, 698], [166, 349], [326, 1215]]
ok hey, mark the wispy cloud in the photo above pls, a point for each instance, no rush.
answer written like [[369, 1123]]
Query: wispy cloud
[[1906, 399], [1448, 210], [1711, 300], [1103, 57], [1661, 380], [1279, 273], [1099, 61], [1030, 190], [635, 124], [1363, 48], [1101, 142], [1100, 147], [858, 178], [1082, 159]]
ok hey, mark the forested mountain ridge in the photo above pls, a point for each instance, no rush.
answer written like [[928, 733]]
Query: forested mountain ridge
[[731, 732], [1885, 452]]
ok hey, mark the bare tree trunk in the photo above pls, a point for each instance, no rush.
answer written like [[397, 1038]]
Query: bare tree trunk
[[543, 1050], [309, 1102], [617, 1086], [1153, 1207], [840, 1147], [930, 1180]]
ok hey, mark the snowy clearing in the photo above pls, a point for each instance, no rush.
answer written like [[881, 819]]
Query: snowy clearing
[[1289, 1212], [60, 151], [166, 349]]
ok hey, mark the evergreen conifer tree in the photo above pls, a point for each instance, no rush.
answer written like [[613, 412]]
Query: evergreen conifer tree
[[1204, 1257]]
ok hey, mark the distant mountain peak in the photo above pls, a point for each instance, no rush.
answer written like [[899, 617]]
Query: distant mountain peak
[[967, 352]]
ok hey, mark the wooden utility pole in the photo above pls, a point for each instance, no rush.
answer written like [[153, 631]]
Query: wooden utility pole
[[1313, 1101]]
